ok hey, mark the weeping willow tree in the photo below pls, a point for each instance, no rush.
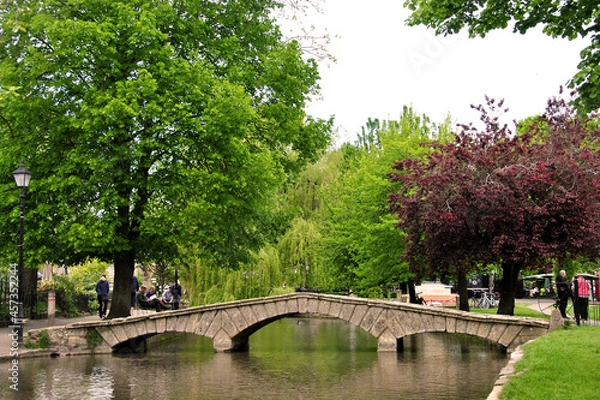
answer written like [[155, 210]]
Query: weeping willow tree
[[267, 276], [209, 284], [299, 254]]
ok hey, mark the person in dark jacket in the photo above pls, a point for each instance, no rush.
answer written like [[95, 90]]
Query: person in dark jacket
[[135, 286], [564, 292], [102, 289], [176, 292]]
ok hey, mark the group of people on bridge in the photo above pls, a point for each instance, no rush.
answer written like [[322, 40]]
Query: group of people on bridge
[[147, 299], [141, 296]]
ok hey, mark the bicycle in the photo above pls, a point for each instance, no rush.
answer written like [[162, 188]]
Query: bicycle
[[474, 300], [487, 300]]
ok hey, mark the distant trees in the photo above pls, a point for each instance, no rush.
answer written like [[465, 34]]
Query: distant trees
[[493, 197], [340, 232], [361, 247]]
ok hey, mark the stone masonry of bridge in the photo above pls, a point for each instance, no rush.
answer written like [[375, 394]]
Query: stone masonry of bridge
[[230, 324]]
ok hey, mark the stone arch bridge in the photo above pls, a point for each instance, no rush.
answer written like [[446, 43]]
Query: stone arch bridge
[[230, 324]]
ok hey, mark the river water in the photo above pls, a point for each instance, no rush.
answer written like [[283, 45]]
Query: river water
[[289, 359]]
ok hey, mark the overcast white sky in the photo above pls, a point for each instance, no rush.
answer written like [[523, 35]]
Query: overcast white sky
[[382, 65]]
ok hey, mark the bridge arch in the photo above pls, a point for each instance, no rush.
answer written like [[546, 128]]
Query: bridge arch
[[231, 324]]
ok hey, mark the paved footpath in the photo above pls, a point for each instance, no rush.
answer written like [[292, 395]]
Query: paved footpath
[[541, 305]]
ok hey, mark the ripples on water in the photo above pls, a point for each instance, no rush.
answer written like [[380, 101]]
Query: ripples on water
[[289, 359]]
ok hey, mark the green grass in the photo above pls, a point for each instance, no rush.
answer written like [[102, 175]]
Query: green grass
[[563, 364], [594, 312], [521, 310]]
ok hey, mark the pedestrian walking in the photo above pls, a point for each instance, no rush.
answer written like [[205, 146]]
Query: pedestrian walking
[[583, 295], [135, 286], [102, 289], [176, 292], [564, 292]]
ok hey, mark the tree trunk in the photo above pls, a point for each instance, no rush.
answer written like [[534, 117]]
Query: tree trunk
[[120, 304], [412, 295], [463, 292], [508, 292], [124, 264]]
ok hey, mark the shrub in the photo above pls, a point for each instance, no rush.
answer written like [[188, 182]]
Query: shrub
[[93, 339], [43, 341], [75, 293]]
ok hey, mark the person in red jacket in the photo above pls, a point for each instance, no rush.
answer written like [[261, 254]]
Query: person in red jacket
[[583, 295]]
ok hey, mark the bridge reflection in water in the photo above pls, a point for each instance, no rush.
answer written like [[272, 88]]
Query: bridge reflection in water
[[231, 324]]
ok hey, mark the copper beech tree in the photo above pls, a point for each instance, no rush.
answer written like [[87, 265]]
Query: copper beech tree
[[497, 197]]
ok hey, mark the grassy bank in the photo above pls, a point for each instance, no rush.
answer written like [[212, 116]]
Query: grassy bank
[[521, 310], [565, 364]]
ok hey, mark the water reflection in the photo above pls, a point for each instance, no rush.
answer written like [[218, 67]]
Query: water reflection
[[291, 358]]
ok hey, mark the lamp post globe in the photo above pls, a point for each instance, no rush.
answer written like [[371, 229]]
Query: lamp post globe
[[22, 177]]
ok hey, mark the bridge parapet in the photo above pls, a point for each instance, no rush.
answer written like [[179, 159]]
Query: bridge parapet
[[230, 324]]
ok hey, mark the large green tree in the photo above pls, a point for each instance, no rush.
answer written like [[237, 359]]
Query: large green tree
[[150, 125], [568, 19]]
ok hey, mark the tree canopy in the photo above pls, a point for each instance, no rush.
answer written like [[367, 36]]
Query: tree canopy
[[566, 19], [493, 197], [150, 125], [360, 245]]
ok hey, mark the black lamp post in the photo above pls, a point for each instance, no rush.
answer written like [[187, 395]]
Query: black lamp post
[[22, 177]]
